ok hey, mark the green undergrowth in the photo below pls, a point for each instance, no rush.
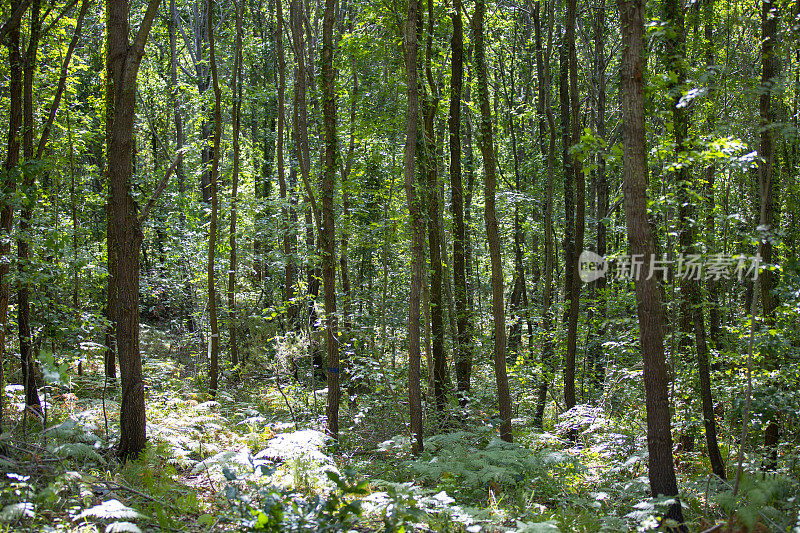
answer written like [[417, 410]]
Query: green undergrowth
[[255, 458]]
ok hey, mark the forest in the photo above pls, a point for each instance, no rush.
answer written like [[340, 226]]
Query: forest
[[394, 265]]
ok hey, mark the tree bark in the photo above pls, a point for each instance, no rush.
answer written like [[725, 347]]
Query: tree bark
[[430, 106], [463, 340], [492, 234], [548, 351], [580, 206], [11, 176], [328, 235], [26, 212], [412, 31], [123, 64], [213, 347], [292, 321], [642, 243], [237, 117]]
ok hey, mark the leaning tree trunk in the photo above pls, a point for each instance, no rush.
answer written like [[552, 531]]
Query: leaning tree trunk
[[492, 234], [650, 312]]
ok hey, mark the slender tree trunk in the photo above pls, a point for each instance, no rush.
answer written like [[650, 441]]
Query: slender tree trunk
[[768, 184], [492, 234], [463, 316], [597, 364], [642, 243], [26, 212], [123, 65], [237, 117], [569, 212], [430, 106], [328, 236], [580, 205], [548, 351], [292, 322], [213, 347], [412, 31], [12, 172]]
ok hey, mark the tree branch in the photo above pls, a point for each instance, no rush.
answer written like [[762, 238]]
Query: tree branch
[[160, 189], [137, 49], [62, 80], [14, 20]]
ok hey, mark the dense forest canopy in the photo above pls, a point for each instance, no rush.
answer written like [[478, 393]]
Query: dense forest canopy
[[341, 265]]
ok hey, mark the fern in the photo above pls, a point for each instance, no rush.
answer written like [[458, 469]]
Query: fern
[[78, 450], [16, 511], [122, 527], [110, 510]]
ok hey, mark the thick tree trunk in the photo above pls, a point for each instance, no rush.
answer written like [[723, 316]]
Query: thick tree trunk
[[412, 30], [123, 64], [642, 243], [492, 234], [328, 235]]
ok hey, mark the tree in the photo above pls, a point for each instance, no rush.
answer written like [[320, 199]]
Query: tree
[[642, 244], [237, 117], [124, 58], [463, 341], [411, 38], [213, 347], [328, 234], [489, 184], [12, 170]]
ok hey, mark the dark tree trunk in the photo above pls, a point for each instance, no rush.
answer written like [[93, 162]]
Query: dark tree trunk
[[123, 65], [237, 117], [10, 179], [292, 322], [580, 205], [492, 234], [463, 341], [569, 212], [328, 235], [597, 363], [548, 351], [768, 185], [412, 31], [213, 349], [650, 312], [26, 212], [430, 106]]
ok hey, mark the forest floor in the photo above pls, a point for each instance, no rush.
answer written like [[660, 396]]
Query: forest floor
[[256, 458]]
